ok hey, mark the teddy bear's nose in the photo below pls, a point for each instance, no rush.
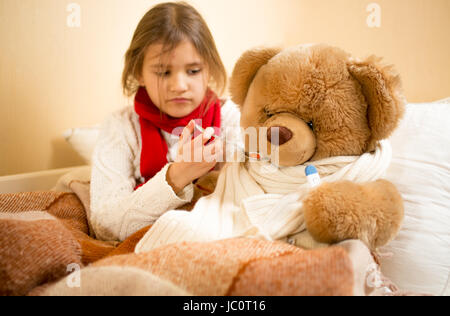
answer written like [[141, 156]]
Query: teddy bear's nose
[[285, 135]]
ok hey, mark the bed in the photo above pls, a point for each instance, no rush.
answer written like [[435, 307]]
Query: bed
[[34, 181], [416, 262]]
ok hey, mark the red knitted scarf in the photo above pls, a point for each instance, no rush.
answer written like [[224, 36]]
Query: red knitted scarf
[[152, 121]]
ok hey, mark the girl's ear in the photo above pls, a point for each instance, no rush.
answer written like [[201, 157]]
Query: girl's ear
[[381, 87], [245, 70], [140, 80]]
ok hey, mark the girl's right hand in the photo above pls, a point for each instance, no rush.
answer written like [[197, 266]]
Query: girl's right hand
[[194, 159]]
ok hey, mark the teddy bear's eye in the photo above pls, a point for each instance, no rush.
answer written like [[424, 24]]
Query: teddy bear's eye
[[311, 125], [268, 113]]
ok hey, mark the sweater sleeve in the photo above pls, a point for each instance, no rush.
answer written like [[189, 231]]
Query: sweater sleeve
[[117, 211]]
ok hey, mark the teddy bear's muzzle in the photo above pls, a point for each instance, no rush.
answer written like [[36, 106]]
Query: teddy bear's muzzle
[[291, 141]]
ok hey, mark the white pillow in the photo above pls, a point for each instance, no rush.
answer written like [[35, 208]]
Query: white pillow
[[421, 171], [83, 140]]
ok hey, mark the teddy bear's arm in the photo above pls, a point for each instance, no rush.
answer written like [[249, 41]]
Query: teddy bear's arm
[[371, 212]]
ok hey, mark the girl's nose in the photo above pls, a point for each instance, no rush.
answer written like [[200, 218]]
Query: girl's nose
[[178, 83]]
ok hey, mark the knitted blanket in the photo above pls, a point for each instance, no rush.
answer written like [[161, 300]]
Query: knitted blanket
[[41, 235], [261, 201], [228, 267], [48, 248]]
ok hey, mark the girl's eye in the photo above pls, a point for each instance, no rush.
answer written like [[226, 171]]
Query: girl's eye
[[194, 71], [163, 73]]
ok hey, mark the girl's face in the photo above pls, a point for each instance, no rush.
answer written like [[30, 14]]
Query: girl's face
[[176, 81]]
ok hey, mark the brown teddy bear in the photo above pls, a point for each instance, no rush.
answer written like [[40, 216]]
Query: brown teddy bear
[[326, 104]]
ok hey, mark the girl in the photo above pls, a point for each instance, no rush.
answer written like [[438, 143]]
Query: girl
[[170, 68]]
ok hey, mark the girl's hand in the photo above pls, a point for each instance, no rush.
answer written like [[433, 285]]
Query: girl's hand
[[194, 159]]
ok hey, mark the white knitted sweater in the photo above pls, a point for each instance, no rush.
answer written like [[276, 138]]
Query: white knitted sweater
[[117, 211]]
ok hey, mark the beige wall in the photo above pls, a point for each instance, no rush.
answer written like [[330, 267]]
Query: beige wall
[[53, 77]]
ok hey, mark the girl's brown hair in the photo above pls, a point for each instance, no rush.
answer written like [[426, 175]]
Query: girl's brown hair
[[170, 24]]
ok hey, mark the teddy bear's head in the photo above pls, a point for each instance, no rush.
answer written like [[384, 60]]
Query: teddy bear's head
[[324, 102]]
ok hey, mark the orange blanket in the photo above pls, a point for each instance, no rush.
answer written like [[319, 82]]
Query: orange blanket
[[43, 234]]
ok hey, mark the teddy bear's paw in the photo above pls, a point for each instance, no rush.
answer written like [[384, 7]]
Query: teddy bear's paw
[[371, 212]]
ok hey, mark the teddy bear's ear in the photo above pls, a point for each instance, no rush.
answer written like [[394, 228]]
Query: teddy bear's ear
[[245, 70], [381, 86]]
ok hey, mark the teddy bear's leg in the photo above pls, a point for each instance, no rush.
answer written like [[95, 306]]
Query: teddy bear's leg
[[371, 212]]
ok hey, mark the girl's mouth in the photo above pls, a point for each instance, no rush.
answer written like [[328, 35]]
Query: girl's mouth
[[179, 100]]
